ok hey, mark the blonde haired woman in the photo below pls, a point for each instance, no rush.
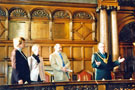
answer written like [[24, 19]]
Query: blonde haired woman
[[20, 68], [36, 65]]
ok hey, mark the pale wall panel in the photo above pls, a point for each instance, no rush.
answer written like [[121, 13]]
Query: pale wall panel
[[60, 30], [40, 30], [17, 29]]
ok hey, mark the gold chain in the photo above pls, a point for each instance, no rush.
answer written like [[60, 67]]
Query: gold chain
[[104, 59]]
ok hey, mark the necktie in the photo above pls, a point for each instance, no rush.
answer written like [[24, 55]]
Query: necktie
[[63, 64], [62, 60]]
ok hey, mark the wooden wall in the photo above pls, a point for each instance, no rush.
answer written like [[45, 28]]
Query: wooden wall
[[126, 29], [75, 26], [71, 25]]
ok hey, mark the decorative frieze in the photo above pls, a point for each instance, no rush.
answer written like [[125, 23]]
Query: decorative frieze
[[61, 15], [40, 14], [82, 15], [18, 12]]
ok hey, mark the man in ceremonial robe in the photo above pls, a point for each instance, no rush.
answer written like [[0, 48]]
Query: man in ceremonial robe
[[103, 64]]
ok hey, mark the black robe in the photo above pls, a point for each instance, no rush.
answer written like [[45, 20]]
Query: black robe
[[20, 68]]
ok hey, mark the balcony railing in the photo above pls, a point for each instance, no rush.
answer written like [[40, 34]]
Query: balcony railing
[[76, 85]]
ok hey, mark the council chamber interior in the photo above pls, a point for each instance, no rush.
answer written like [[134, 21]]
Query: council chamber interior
[[78, 25]]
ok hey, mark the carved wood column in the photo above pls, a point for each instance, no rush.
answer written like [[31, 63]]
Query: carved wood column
[[115, 44], [104, 28]]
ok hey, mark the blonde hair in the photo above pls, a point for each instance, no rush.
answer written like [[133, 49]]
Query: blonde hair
[[35, 47], [17, 41]]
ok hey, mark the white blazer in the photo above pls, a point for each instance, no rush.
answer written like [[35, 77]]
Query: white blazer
[[36, 69], [56, 64]]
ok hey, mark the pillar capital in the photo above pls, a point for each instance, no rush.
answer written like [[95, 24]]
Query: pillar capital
[[107, 8], [109, 5]]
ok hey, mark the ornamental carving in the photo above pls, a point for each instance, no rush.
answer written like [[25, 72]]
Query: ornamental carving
[[40, 14], [18, 13], [61, 15], [2, 12], [82, 15]]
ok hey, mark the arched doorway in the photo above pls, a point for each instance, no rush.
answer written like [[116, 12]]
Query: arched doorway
[[127, 49]]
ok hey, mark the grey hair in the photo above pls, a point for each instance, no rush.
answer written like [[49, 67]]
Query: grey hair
[[56, 45], [35, 47], [99, 44]]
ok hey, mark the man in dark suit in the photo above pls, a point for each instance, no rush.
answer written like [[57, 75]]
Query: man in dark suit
[[20, 68], [103, 64]]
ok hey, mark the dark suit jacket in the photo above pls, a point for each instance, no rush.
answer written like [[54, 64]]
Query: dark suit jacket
[[20, 68], [103, 71]]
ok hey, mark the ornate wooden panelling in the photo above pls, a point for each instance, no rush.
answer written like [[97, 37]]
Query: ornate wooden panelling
[[72, 27], [48, 29]]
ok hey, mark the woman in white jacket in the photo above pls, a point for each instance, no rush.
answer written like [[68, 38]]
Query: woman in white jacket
[[36, 65]]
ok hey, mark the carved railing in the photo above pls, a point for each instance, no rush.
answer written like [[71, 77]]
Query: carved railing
[[74, 85]]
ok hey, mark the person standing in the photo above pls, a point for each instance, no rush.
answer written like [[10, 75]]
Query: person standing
[[60, 64], [103, 64], [36, 65], [20, 68]]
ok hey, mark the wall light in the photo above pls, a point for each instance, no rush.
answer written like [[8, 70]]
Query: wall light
[[134, 43]]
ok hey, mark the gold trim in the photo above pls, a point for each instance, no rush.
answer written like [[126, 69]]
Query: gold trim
[[104, 59]]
